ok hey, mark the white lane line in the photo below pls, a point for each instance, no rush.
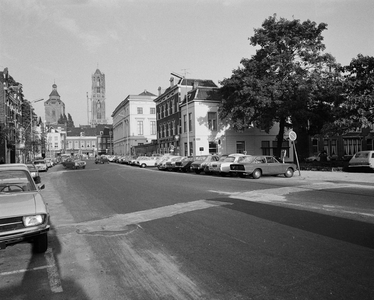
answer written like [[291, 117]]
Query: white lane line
[[53, 276], [119, 222], [24, 270]]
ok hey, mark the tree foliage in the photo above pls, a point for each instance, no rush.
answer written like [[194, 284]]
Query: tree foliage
[[284, 81], [357, 110]]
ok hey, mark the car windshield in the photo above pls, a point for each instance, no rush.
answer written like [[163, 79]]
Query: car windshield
[[229, 159], [38, 162], [201, 157], [12, 181], [361, 154], [246, 159]]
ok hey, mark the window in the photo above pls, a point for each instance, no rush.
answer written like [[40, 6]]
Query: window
[[190, 122], [212, 121], [212, 147], [173, 127], [315, 146], [265, 146], [140, 127], [240, 147], [185, 123], [140, 110], [370, 144], [152, 111], [153, 127], [172, 106], [351, 146]]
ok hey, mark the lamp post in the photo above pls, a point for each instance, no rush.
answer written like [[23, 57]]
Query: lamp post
[[187, 116]]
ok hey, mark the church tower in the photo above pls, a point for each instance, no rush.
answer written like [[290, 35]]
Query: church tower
[[98, 99], [54, 108]]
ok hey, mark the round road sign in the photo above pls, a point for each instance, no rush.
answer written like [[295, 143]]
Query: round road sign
[[292, 135]]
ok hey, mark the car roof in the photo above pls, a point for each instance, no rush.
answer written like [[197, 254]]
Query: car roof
[[13, 167]]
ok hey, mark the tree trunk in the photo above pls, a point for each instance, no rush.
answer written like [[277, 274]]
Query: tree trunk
[[278, 150]]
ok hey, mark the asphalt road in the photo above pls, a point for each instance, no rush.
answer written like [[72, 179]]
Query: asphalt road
[[121, 232]]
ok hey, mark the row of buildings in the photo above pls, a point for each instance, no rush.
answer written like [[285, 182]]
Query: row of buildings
[[181, 119]]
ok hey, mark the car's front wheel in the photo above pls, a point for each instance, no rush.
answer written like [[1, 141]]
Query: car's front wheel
[[289, 173], [40, 244], [256, 174], [143, 165]]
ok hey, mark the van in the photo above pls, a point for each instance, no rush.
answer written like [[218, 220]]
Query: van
[[362, 159]]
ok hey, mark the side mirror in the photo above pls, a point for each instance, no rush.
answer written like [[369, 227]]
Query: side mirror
[[41, 186]]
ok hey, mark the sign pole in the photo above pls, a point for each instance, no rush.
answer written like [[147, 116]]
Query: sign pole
[[293, 136]]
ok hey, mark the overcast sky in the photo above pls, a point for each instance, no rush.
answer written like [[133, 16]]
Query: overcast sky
[[138, 43]]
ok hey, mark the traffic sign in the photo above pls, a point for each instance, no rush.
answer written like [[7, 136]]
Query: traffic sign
[[292, 135]]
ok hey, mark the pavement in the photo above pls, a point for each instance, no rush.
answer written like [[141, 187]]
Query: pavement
[[366, 178]]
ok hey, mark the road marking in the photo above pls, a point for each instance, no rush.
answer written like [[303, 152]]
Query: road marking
[[24, 270], [120, 222], [53, 275]]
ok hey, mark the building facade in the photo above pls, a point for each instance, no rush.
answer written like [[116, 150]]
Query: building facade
[[134, 123], [54, 107], [98, 99]]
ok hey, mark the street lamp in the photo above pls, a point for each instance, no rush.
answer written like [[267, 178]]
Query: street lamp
[[187, 116]]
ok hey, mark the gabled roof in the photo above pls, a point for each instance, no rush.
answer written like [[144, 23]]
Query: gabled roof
[[146, 93], [203, 94]]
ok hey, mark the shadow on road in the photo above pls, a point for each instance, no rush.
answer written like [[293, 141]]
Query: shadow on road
[[347, 230]]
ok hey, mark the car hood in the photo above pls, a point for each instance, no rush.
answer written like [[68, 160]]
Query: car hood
[[20, 204]]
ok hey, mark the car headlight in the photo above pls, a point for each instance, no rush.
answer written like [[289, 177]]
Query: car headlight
[[33, 174], [36, 220]]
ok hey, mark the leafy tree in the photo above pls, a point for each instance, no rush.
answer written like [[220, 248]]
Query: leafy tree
[[283, 82], [357, 110]]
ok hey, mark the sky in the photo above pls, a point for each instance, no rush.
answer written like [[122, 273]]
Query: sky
[[138, 43]]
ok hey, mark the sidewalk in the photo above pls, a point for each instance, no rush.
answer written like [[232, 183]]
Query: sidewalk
[[358, 177]]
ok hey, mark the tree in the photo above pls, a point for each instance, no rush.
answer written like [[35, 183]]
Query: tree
[[357, 110], [282, 82]]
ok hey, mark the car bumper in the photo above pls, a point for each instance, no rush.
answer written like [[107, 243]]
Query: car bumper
[[21, 237]]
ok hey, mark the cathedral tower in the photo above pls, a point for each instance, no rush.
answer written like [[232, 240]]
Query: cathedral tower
[[98, 99], [54, 108]]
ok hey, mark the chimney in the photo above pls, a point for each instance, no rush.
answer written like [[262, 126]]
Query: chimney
[[159, 91], [171, 81]]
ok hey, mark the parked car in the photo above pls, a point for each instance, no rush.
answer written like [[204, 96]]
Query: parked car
[[200, 162], [362, 159], [163, 163], [322, 156], [101, 159], [24, 215], [34, 172], [74, 163], [222, 167], [170, 163], [146, 161], [184, 165], [256, 166], [48, 162], [41, 165]]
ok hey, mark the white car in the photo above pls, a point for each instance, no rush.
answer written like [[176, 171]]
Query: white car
[[222, 167], [145, 161], [362, 159], [41, 165], [24, 215]]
